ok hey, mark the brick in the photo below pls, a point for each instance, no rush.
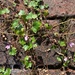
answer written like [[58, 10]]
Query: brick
[[2, 47], [40, 72], [61, 7], [2, 58], [21, 72], [70, 72], [48, 58]]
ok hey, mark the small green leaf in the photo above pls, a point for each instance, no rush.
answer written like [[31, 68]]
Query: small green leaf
[[15, 23], [74, 60], [45, 12], [3, 11], [26, 2], [41, 6], [22, 41], [59, 59], [22, 12], [28, 65], [65, 64], [31, 16], [12, 51], [34, 29], [26, 47], [36, 26], [46, 6], [2, 69], [6, 10], [33, 40], [34, 16], [33, 4], [30, 45], [34, 45], [48, 26], [7, 72], [26, 58], [62, 43], [53, 47], [26, 62]]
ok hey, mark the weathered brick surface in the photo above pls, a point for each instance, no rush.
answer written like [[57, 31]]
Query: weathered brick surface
[[43, 72], [61, 7], [48, 58], [70, 72], [21, 72], [2, 58], [40, 72]]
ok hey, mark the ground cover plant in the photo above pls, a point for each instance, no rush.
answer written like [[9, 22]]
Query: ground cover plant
[[26, 28]]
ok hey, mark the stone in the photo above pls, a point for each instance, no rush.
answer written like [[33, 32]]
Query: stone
[[2, 47], [48, 58], [61, 7], [2, 58], [21, 72], [70, 72]]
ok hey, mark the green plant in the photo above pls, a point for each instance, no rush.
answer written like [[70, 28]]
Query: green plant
[[4, 71], [62, 43], [12, 50], [26, 25], [26, 63], [4, 11]]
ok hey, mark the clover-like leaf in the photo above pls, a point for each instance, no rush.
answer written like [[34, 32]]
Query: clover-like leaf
[[6, 10], [28, 65], [34, 29], [26, 2], [45, 12], [41, 6], [33, 4], [15, 23], [48, 26], [36, 26], [65, 64], [34, 45], [26, 47], [22, 12], [22, 41], [31, 16], [26, 62], [33, 40], [7, 72], [3, 11], [62, 43], [2, 69], [26, 58], [12, 51], [46, 6], [59, 58]]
